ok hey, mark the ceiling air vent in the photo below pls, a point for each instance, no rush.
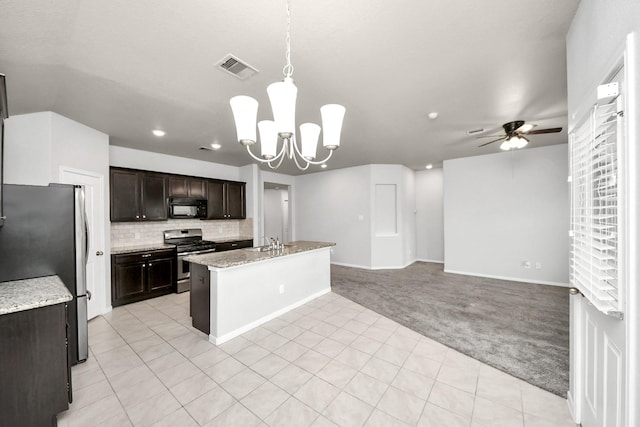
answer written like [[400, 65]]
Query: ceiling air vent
[[205, 148], [474, 131], [236, 67]]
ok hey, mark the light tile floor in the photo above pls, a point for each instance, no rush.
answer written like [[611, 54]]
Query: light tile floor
[[330, 362]]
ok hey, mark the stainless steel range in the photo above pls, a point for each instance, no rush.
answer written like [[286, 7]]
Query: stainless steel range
[[188, 242]]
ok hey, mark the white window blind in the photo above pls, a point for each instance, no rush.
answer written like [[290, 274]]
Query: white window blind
[[595, 210]]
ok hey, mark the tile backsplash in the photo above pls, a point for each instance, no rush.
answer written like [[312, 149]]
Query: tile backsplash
[[125, 234]]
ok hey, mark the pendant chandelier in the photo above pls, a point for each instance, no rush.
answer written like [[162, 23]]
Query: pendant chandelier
[[282, 96]]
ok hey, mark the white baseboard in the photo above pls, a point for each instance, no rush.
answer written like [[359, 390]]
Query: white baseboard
[[226, 337], [344, 264], [435, 261], [572, 408], [392, 267], [513, 279], [368, 267]]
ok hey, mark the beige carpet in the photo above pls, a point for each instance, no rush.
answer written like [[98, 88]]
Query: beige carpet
[[519, 328]]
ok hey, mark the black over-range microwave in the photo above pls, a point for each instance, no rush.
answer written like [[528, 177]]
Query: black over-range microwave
[[187, 207]]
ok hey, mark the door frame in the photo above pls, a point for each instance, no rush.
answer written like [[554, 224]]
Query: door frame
[[631, 293], [103, 293]]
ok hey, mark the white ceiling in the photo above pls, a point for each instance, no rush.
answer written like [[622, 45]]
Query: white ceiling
[[126, 67]]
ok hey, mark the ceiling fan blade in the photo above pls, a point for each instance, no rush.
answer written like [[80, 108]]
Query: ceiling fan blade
[[491, 142], [539, 131], [490, 136], [526, 128]]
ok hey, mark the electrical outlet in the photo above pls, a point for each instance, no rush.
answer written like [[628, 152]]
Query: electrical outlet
[[526, 264], [281, 289], [538, 265]]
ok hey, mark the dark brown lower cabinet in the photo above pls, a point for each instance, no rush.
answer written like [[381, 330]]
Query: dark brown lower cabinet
[[141, 275], [200, 298], [35, 379]]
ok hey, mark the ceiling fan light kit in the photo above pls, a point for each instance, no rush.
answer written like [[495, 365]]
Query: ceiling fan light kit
[[514, 142], [514, 135], [282, 96]]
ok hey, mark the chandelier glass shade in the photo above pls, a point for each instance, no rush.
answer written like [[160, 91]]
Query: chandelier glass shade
[[514, 142], [283, 96]]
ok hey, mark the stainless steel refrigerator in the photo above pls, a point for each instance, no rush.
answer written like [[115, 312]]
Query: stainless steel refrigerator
[[45, 233]]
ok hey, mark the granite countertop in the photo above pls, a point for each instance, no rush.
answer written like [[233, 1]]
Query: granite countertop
[[140, 248], [248, 255], [156, 246], [19, 295]]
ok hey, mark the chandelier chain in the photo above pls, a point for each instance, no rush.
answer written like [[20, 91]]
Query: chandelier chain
[[288, 69]]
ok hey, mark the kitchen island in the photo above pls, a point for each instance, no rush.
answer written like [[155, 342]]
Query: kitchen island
[[235, 291]]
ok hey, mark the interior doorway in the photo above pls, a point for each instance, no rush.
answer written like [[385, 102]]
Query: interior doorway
[[96, 261], [277, 213]]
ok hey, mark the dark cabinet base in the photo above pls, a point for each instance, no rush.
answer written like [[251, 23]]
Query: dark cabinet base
[[34, 369], [142, 275], [200, 298]]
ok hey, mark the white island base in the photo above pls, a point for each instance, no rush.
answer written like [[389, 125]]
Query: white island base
[[244, 296]]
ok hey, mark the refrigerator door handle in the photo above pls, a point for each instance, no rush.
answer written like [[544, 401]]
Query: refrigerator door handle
[[82, 246], [83, 329], [86, 237]]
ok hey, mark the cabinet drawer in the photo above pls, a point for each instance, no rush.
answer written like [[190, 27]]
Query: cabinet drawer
[[143, 256]]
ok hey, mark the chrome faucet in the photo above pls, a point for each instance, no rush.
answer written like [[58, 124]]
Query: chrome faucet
[[274, 244]]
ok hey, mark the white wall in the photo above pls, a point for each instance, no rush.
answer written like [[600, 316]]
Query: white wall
[[285, 181], [393, 250], [429, 216], [334, 206], [80, 147], [339, 206], [503, 209], [27, 149], [596, 36], [145, 160], [275, 206], [253, 189], [38, 144]]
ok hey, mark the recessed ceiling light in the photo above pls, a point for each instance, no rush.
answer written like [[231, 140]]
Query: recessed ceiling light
[[158, 132], [429, 166], [216, 146], [323, 166], [433, 115]]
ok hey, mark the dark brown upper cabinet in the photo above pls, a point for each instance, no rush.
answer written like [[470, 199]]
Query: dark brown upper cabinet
[[137, 195], [226, 200], [182, 186]]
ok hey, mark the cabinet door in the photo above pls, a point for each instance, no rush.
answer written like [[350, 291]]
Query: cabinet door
[[125, 195], [178, 186], [33, 366], [154, 201], [235, 199], [197, 188], [160, 273], [128, 282], [215, 200]]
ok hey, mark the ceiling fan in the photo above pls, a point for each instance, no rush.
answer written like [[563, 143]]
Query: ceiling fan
[[514, 134]]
